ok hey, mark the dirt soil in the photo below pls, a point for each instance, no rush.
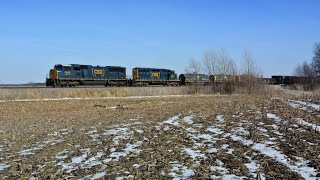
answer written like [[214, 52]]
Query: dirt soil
[[183, 137]]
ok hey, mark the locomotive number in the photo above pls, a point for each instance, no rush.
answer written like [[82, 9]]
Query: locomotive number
[[98, 71]]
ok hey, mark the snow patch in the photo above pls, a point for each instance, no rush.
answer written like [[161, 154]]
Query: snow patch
[[188, 119], [121, 133], [96, 176], [303, 105], [212, 150], [273, 116], [312, 126], [3, 166], [179, 171], [220, 169], [215, 130], [194, 154], [220, 118], [129, 149], [173, 120], [301, 166]]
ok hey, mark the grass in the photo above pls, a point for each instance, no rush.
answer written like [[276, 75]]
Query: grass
[[13, 94], [42, 93]]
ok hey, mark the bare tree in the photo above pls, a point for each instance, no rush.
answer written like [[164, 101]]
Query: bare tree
[[316, 57], [249, 67], [194, 67], [218, 62], [232, 68], [249, 71], [305, 70], [210, 61], [298, 71], [308, 70], [221, 65]]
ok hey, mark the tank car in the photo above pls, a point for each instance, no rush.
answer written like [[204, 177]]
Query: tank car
[[194, 79], [221, 78]]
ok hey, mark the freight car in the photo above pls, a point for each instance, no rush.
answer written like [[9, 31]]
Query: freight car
[[288, 80], [154, 76], [221, 78], [282, 79], [75, 74], [193, 79]]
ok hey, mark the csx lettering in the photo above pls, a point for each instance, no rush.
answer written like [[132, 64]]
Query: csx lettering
[[98, 71], [155, 74]]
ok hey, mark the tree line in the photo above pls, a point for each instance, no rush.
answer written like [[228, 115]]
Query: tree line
[[311, 69], [219, 62]]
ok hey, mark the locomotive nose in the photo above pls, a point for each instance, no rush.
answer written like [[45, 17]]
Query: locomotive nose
[[53, 74]]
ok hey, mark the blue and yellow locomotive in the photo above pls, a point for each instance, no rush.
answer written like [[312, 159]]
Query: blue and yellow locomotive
[[154, 76], [75, 74]]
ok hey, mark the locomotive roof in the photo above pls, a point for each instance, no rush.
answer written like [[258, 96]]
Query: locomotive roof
[[153, 69], [192, 74], [70, 65]]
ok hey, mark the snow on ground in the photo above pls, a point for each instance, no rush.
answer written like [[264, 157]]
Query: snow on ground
[[180, 171], [3, 166], [89, 160], [173, 120], [310, 125], [301, 166], [95, 176], [188, 119], [53, 139], [253, 167], [202, 142], [299, 121], [273, 116], [220, 118], [303, 105], [220, 169], [215, 130]]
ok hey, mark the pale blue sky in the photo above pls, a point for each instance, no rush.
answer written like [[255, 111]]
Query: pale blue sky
[[35, 35]]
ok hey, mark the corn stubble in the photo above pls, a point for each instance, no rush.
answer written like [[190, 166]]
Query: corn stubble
[[135, 142]]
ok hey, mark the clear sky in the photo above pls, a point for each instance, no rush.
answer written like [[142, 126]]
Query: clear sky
[[35, 35]]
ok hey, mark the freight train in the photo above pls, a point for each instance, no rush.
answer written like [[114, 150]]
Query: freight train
[[75, 74]]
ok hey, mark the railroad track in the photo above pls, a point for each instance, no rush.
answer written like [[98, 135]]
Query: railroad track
[[23, 87], [76, 87]]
